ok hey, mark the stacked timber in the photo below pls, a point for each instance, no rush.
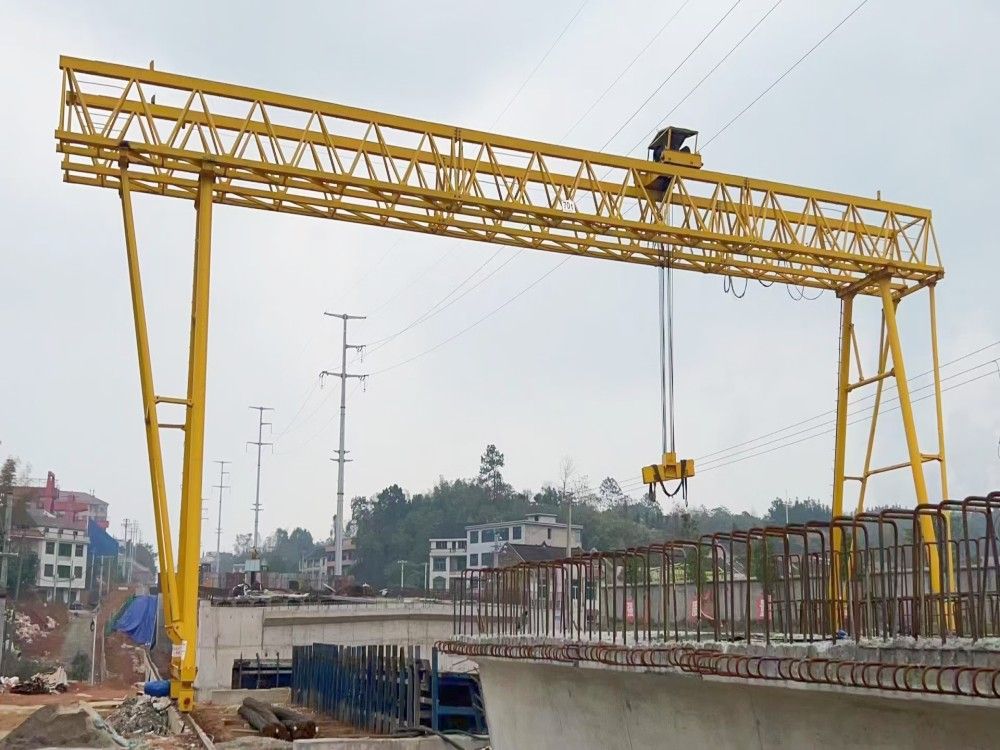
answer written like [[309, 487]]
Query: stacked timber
[[277, 721]]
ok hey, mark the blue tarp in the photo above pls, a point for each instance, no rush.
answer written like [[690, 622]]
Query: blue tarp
[[138, 622], [102, 544]]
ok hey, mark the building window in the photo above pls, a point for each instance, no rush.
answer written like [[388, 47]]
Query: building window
[[503, 535], [79, 550], [487, 559], [65, 549], [440, 545], [440, 563], [461, 544], [439, 583], [473, 537], [459, 563], [474, 560], [50, 548], [489, 535], [48, 570], [515, 533], [548, 533], [63, 571], [78, 572]]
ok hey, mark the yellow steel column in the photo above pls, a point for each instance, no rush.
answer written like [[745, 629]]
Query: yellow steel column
[[840, 448], [161, 516], [184, 666], [942, 459], [910, 430]]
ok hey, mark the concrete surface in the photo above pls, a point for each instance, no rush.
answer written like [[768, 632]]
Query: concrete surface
[[229, 633], [388, 743], [229, 697], [541, 705]]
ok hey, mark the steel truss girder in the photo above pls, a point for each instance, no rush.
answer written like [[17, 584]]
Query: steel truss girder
[[291, 154]]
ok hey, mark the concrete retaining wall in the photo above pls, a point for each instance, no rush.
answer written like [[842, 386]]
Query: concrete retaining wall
[[540, 705], [229, 633]]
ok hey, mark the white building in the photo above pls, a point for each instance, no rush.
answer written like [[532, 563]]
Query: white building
[[61, 546], [482, 542], [448, 560]]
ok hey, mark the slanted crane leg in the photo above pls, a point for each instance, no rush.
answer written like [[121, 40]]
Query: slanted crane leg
[[840, 452], [189, 552], [164, 543], [927, 535]]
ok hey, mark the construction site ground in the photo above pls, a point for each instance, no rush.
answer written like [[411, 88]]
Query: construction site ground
[[223, 724]]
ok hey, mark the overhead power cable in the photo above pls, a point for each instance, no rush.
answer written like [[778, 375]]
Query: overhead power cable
[[666, 80], [626, 69], [889, 389], [539, 63], [788, 70], [666, 118]]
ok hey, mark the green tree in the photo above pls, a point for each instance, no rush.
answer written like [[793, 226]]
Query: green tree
[[490, 476]]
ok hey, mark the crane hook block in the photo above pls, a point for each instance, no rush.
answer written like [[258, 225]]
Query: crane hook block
[[672, 469]]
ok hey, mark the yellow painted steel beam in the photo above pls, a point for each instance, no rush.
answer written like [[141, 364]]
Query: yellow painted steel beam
[[293, 154]]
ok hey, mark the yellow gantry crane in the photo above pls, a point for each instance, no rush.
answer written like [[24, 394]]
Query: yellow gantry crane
[[138, 130]]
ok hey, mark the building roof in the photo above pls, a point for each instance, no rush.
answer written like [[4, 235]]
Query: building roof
[[538, 552], [42, 519], [82, 497], [520, 522]]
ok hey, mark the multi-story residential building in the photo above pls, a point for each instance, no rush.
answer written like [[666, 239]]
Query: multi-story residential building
[[448, 560], [484, 540], [320, 567], [62, 549], [71, 505], [481, 545]]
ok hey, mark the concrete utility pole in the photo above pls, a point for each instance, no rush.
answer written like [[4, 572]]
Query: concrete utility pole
[[341, 459], [218, 529], [259, 442]]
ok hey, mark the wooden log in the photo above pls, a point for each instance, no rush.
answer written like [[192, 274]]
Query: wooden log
[[301, 727]]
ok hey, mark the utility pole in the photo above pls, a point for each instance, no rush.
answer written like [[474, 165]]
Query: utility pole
[[341, 458], [218, 529], [260, 444]]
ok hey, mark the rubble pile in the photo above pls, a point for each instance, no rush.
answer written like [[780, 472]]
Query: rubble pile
[[75, 725], [42, 683], [141, 715], [26, 631]]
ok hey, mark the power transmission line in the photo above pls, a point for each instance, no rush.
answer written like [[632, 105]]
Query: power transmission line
[[672, 74], [788, 70], [539, 64], [626, 69]]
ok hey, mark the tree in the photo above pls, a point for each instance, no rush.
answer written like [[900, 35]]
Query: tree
[[242, 545], [490, 476], [611, 495], [6, 511]]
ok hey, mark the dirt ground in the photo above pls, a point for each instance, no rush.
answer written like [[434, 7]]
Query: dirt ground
[[222, 723]]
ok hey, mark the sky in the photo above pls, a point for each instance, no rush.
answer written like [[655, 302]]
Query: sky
[[896, 100]]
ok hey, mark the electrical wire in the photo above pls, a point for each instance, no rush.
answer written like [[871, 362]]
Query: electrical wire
[[626, 69], [888, 390], [667, 80], [539, 64], [666, 117], [827, 432], [788, 70]]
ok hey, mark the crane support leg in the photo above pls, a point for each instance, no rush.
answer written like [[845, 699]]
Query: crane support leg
[[179, 583], [927, 535], [161, 517], [840, 442], [189, 550]]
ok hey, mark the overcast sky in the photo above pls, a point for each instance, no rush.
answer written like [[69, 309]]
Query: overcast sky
[[900, 99]]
